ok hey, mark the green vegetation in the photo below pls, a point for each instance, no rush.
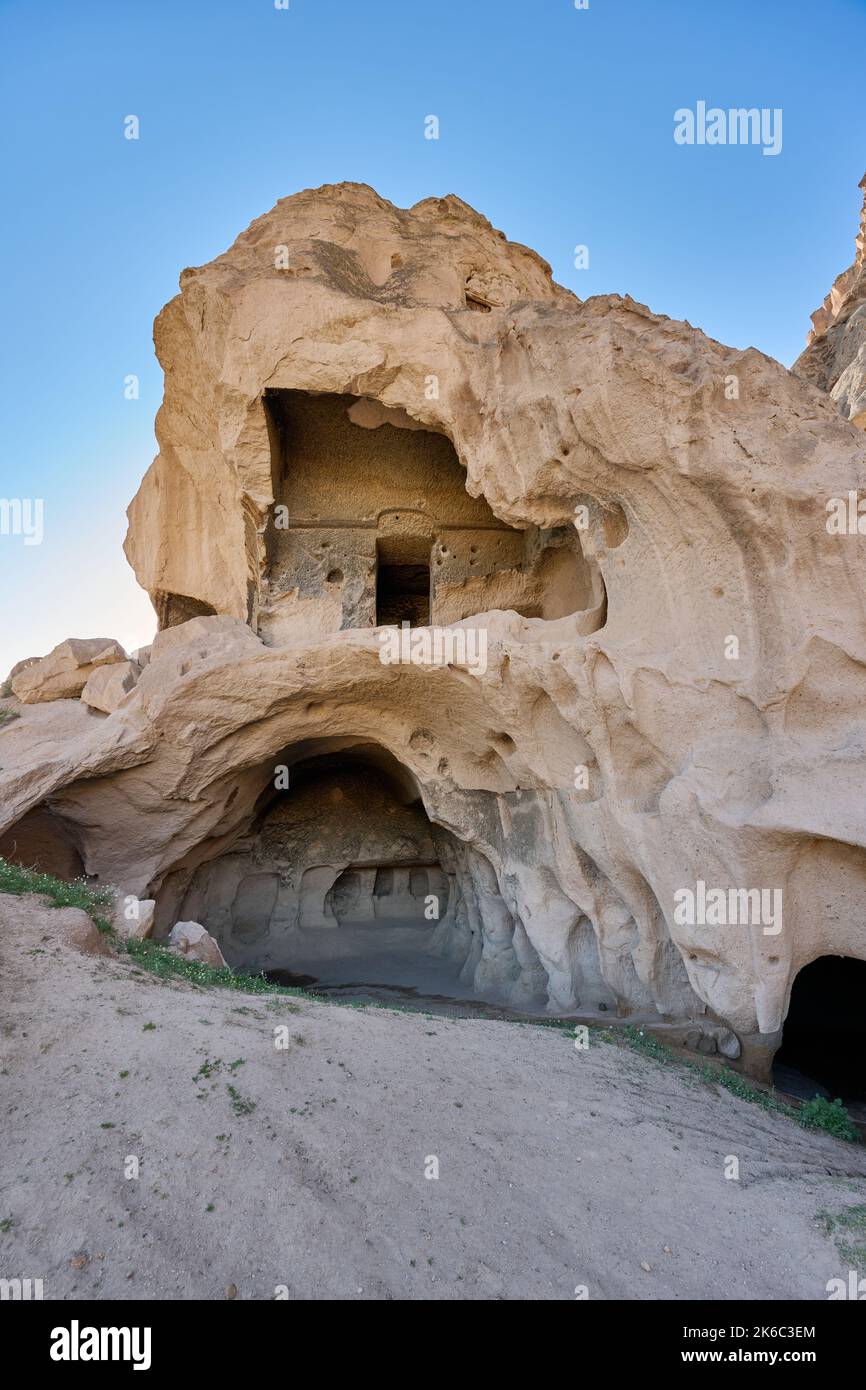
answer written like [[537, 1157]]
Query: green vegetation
[[240, 1104], [160, 961], [77, 893], [848, 1229], [7, 715], [829, 1116]]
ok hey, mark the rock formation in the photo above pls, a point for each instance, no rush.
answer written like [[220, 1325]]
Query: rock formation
[[631, 779], [835, 355], [66, 671]]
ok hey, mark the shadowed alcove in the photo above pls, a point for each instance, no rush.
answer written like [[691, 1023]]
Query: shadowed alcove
[[42, 840], [373, 524], [823, 1049], [340, 880]]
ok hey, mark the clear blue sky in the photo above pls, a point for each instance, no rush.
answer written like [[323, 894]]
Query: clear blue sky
[[556, 123]]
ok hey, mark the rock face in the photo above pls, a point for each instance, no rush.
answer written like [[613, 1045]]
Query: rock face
[[835, 355], [632, 780], [63, 674], [107, 686]]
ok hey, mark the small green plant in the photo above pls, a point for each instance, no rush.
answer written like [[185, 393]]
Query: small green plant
[[208, 1069], [848, 1229], [240, 1104], [829, 1115], [7, 715], [6, 1225], [76, 893]]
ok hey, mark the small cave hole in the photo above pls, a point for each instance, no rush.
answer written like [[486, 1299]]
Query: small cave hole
[[403, 595], [823, 1049]]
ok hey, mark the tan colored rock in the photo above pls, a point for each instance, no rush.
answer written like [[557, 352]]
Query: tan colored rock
[[133, 917], [192, 940], [108, 686], [73, 927], [673, 672], [835, 356], [22, 666], [63, 674]]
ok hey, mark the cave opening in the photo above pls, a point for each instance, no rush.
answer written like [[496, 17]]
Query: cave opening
[[337, 879], [373, 524], [43, 841], [341, 882], [823, 1049]]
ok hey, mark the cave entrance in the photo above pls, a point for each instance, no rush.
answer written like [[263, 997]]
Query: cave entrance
[[823, 1050], [339, 882], [41, 840]]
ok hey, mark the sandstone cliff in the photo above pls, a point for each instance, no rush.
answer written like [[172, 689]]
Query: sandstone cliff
[[835, 354], [368, 407]]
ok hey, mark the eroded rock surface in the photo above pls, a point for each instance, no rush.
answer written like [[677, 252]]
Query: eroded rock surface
[[835, 354], [65, 671], [375, 415], [107, 686]]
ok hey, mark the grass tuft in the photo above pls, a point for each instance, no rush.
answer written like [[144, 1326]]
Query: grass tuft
[[829, 1116], [848, 1229], [76, 893], [167, 965]]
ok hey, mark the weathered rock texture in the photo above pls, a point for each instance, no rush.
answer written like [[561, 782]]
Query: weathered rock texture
[[634, 517], [64, 672], [107, 686], [835, 355], [192, 940]]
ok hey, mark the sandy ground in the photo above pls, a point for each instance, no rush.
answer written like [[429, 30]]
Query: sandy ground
[[557, 1168]]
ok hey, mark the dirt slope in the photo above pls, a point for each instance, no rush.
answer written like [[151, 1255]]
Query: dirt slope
[[557, 1168]]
